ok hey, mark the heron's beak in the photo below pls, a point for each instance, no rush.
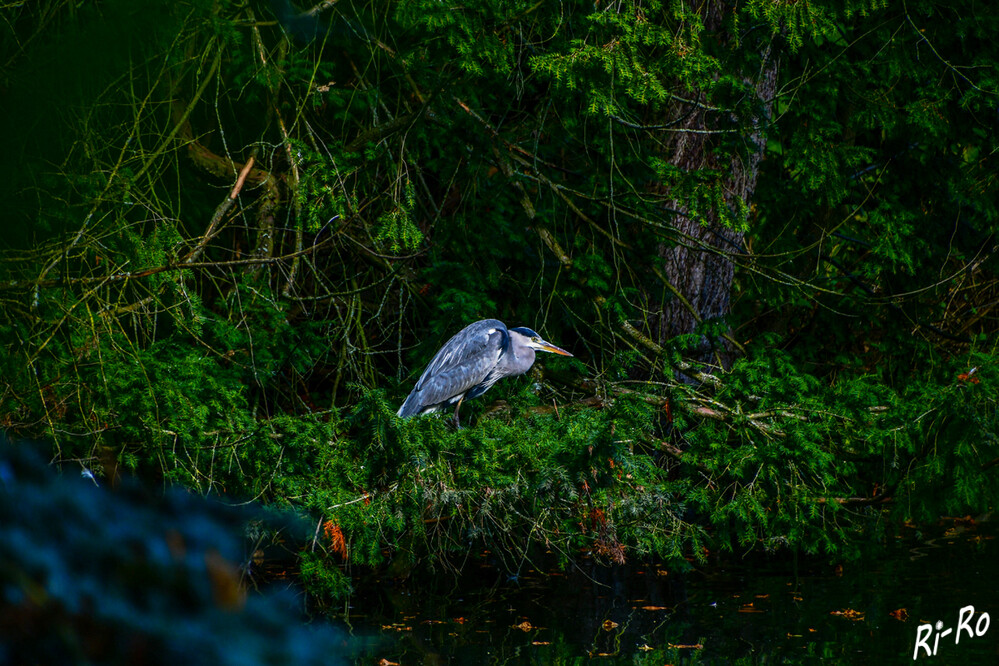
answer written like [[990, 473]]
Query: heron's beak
[[544, 345]]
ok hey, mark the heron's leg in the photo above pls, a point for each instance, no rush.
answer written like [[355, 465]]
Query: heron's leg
[[457, 423]]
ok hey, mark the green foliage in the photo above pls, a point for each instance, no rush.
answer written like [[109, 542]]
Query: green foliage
[[251, 328], [519, 486], [397, 228]]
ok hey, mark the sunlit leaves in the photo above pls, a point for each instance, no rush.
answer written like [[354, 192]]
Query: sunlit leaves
[[638, 50], [397, 228]]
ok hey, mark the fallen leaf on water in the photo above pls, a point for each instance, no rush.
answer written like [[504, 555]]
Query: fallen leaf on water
[[396, 627], [609, 624], [645, 648], [386, 662], [849, 614], [695, 646], [540, 643], [655, 608], [750, 608], [900, 614], [524, 626]]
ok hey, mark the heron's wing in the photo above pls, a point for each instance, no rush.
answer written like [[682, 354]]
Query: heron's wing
[[463, 362]]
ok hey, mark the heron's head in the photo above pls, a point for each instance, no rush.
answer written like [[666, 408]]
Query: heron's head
[[531, 339]]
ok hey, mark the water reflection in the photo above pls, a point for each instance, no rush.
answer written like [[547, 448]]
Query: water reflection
[[756, 611]]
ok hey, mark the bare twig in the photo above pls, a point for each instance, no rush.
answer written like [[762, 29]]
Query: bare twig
[[146, 272]]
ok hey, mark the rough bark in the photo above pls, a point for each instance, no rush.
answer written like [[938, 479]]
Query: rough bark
[[703, 275]]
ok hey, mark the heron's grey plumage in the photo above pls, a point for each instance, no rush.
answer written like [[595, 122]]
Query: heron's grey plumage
[[471, 362]]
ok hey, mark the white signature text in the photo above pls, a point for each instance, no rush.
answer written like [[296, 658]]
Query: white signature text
[[933, 632]]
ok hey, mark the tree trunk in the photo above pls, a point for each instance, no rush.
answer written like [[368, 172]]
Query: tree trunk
[[700, 269]]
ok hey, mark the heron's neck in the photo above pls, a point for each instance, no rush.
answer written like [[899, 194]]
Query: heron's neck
[[523, 360]]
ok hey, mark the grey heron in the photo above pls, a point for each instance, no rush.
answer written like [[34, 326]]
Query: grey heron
[[472, 361]]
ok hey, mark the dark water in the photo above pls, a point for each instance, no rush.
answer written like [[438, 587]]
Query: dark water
[[751, 612]]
